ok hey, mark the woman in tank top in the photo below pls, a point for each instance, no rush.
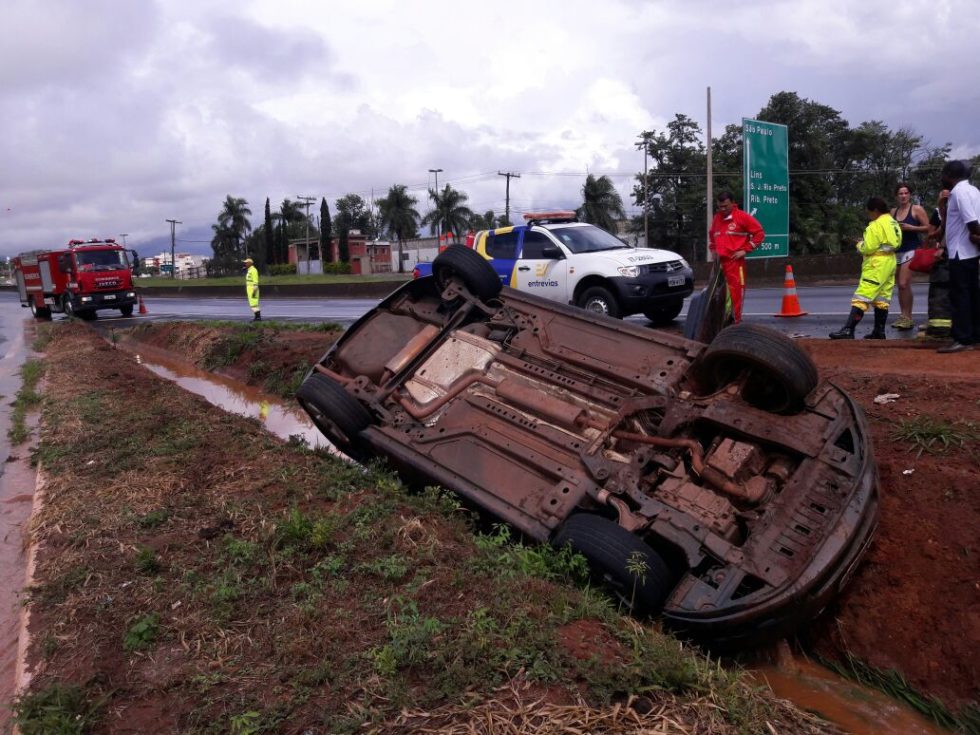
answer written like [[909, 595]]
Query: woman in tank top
[[914, 223]]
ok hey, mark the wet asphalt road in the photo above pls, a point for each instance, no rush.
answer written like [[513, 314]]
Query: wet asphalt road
[[826, 308]]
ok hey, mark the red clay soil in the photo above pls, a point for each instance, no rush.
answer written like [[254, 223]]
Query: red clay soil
[[914, 604]]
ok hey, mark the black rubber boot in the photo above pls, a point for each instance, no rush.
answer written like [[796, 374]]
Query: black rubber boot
[[881, 316], [257, 317], [847, 331]]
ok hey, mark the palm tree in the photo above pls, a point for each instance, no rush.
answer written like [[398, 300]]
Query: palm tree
[[451, 215], [233, 218], [485, 221], [398, 216], [602, 205], [289, 213]]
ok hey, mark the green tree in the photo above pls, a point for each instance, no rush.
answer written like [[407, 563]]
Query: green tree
[[326, 232], [291, 221], [398, 217], [486, 221], [450, 214], [601, 204], [675, 187], [352, 214], [268, 237], [233, 218]]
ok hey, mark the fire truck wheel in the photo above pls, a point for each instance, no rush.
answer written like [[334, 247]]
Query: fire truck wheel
[[40, 312]]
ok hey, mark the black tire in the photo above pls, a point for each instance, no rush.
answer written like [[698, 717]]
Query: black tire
[[470, 268], [778, 374], [40, 312], [599, 300], [664, 312], [126, 310], [337, 414], [611, 551]]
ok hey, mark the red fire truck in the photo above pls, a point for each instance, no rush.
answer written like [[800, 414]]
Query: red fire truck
[[78, 281]]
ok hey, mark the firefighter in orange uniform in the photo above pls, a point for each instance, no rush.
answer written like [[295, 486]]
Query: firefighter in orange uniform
[[733, 234]]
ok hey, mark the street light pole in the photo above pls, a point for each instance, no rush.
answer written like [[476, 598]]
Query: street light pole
[[124, 235], [437, 171], [306, 203], [173, 240]]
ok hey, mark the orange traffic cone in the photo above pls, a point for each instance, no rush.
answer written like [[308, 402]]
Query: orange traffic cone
[[791, 304], [142, 306]]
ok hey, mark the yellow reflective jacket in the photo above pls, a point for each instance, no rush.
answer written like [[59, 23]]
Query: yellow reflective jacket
[[882, 236]]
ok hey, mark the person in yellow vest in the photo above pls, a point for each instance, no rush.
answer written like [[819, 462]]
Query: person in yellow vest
[[881, 239], [252, 288]]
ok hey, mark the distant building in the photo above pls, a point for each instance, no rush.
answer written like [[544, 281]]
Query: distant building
[[188, 266]]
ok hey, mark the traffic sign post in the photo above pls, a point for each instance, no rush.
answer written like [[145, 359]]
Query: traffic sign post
[[766, 169]]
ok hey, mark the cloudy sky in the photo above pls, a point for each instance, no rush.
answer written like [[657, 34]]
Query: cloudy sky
[[120, 114]]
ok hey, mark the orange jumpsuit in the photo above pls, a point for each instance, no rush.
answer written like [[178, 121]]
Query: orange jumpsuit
[[736, 231]]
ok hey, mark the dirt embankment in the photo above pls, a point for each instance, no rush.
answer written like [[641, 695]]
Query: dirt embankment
[[196, 575], [914, 605]]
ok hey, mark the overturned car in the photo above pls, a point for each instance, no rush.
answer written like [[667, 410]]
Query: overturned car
[[721, 485]]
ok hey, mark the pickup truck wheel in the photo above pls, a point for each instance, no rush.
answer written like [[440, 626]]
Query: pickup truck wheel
[[126, 310], [475, 273], [637, 575], [664, 313], [599, 301], [776, 374], [337, 414], [40, 312]]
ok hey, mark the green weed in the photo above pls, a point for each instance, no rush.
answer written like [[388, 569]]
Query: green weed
[[59, 709], [936, 437], [153, 519], [142, 633], [147, 562]]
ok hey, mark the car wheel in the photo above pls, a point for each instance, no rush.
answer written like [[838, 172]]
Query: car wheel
[[126, 310], [599, 301], [337, 414], [40, 312], [458, 262], [636, 574], [664, 313], [776, 374]]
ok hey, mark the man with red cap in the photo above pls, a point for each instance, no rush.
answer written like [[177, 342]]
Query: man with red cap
[[733, 234]]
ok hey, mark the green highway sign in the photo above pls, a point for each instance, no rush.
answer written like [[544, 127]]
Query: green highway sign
[[766, 169]]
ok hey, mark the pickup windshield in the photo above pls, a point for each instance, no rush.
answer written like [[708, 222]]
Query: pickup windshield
[[101, 260], [587, 239]]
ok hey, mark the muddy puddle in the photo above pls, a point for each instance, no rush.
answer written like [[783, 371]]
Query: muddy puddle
[[854, 708], [283, 419]]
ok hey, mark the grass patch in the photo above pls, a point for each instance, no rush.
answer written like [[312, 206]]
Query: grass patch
[[27, 399], [59, 709], [927, 434]]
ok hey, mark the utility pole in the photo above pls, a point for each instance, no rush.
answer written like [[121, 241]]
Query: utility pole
[[437, 171], [173, 240], [508, 174], [307, 201], [708, 255]]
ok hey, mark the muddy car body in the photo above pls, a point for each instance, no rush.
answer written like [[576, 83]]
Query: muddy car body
[[719, 484]]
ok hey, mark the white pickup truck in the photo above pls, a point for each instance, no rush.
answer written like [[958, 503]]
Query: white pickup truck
[[555, 256]]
